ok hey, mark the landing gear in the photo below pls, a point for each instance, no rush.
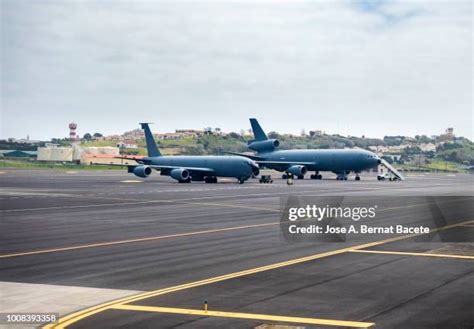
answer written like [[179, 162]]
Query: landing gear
[[188, 180], [357, 177], [210, 179], [300, 176], [287, 176], [241, 180], [341, 176], [317, 175]]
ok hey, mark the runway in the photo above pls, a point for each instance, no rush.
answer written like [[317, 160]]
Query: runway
[[161, 249]]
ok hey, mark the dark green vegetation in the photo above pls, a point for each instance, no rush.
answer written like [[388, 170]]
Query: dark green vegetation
[[451, 155]]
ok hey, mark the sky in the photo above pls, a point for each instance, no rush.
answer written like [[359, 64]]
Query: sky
[[370, 68]]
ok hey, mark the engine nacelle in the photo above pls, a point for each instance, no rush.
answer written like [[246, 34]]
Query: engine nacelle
[[142, 171], [297, 170], [179, 174], [264, 146]]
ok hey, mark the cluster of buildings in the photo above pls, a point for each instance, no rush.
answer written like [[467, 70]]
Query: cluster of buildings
[[78, 154]]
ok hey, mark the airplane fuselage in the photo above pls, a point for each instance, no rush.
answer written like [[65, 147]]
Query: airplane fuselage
[[335, 160]]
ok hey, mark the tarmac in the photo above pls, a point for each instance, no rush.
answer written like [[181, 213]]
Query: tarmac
[[106, 249]]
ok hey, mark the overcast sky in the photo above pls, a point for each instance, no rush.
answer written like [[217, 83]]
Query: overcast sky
[[374, 67]]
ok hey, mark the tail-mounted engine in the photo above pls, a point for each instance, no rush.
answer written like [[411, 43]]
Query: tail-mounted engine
[[264, 146]]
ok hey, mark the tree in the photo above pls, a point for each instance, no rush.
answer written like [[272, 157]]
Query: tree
[[273, 135], [87, 136], [98, 135]]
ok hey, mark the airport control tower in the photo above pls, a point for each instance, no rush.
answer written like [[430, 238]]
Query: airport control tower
[[72, 131]]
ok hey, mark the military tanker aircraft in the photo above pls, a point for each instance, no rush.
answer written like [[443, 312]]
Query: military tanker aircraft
[[187, 168], [298, 162]]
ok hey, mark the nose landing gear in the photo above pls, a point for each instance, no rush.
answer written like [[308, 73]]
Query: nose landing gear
[[341, 176]]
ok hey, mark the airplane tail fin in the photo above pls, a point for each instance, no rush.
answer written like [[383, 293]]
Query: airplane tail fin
[[258, 133], [150, 141]]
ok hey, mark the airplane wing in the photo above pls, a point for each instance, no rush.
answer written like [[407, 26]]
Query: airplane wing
[[261, 160], [264, 162], [201, 170], [195, 169], [250, 156]]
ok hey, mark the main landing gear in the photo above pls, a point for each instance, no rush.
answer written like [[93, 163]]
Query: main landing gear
[[357, 177], [316, 175], [341, 176], [210, 179]]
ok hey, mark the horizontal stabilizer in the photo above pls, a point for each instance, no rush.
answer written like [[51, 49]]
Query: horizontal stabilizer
[[392, 169]]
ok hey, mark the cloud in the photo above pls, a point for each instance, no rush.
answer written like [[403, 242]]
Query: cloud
[[373, 67]]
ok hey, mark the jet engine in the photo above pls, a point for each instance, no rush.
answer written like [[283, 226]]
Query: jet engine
[[264, 146], [142, 171], [297, 170], [179, 174]]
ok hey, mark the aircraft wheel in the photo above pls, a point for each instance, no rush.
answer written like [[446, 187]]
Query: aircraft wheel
[[357, 178], [300, 176], [210, 180], [319, 176], [241, 180], [284, 176]]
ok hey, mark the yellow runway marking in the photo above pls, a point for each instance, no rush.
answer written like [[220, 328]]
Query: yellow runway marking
[[102, 244], [402, 253], [250, 316], [77, 316]]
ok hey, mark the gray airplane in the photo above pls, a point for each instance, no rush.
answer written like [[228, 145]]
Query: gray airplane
[[191, 168], [299, 162]]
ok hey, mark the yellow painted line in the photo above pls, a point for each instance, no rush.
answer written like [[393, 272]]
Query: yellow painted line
[[71, 172], [77, 316], [250, 316], [131, 181], [411, 254], [111, 243]]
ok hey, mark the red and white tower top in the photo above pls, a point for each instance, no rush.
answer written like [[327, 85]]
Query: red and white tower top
[[72, 131]]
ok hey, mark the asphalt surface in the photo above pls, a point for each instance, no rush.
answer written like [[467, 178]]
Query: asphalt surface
[[111, 230]]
